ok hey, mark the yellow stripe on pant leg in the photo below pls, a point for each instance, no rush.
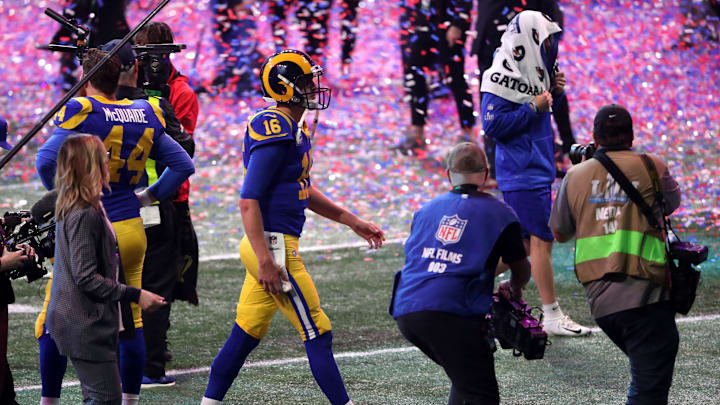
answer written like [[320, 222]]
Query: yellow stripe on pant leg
[[132, 243], [40, 321], [255, 308]]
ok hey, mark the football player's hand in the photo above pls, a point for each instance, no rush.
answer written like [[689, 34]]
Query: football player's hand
[[560, 81], [146, 198], [270, 276], [370, 232], [453, 36]]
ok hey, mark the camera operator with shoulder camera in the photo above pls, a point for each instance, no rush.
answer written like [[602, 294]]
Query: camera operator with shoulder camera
[[9, 260], [443, 294], [127, 88], [620, 255], [160, 221], [184, 263]]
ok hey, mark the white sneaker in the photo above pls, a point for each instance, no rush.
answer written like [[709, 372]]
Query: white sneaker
[[564, 326]]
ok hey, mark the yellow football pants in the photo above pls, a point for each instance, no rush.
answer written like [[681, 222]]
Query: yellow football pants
[[132, 243], [256, 307]]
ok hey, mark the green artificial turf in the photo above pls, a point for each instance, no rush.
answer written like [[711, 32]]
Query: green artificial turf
[[354, 286]]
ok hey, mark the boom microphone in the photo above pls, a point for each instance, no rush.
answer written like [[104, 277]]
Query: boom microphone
[[85, 78]]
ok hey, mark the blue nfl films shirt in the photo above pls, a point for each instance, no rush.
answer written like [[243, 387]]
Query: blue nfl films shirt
[[132, 131], [451, 239], [283, 203]]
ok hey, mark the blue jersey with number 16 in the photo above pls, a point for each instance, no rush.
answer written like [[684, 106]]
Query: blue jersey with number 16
[[287, 194]]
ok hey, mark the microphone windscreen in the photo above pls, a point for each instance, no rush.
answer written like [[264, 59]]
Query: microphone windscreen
[[44, 209]]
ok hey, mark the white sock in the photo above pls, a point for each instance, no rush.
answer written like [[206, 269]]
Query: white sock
[[552, 311], [130, 399], [350, 402], [210, 401], [49, 401]]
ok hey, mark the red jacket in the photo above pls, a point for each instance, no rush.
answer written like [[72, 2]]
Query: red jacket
[[185, 103], [183, 100]]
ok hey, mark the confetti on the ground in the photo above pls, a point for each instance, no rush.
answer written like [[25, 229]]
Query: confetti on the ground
[[621, 51]]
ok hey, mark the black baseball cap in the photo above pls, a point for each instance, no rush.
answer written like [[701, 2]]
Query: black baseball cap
[[126, 54], [611, 120]]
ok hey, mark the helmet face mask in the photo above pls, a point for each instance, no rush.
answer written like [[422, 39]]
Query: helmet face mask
[[290, 77]]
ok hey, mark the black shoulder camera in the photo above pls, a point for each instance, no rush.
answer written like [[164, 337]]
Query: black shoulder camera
[[687, 253], [578, 151], [516, 328], [18, 228], [154, 67]]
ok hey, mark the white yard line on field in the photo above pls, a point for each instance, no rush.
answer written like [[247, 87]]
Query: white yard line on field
[[279, 362], [231, 256]]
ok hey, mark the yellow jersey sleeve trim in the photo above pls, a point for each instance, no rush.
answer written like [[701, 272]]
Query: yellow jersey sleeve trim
[[284, 115], [112, 102], [155, 104], [78, 118], [254, 135]]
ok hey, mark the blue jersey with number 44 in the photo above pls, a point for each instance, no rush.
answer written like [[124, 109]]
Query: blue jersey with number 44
[[283, 203], [132, 132]]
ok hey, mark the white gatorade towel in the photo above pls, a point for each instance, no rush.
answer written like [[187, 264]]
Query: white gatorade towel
[[518, 73]]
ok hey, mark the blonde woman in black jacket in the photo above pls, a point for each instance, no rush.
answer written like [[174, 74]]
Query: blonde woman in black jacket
[[84, 310]]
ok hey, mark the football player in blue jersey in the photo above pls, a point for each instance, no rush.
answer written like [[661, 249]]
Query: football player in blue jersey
[[277, 155], [442, 295], [132, 132]]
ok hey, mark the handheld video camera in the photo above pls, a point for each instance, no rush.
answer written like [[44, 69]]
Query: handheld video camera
[[684, 278], [18, 228], [688, 254], [516, 328], [154, 67], [578, 151]]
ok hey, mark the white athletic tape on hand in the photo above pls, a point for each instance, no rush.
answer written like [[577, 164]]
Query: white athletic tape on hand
[[276, 244]]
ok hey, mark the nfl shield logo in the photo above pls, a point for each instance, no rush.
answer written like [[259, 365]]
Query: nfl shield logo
[[450, 229]]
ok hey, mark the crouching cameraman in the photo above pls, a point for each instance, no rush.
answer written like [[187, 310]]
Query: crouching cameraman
[[619, 256], [443, 293]]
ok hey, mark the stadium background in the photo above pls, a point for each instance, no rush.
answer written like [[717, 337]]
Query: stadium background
[[622, 51]]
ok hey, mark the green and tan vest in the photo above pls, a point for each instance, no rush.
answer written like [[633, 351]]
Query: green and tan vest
[[613, 235]]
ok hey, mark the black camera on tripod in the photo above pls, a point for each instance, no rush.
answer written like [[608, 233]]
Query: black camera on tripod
[[578, 151], [19, 227], [516, 328]]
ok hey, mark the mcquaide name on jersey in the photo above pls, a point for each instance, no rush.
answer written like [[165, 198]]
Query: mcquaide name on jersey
[[135, 115]]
